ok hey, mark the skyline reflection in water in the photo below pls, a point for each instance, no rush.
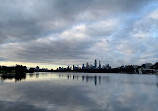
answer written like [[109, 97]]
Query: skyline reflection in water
[[80, 92], [96, 78]]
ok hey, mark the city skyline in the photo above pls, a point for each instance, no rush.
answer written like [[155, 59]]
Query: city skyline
[[146, 68], [53, 33]]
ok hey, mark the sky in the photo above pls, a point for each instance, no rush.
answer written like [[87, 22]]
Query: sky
[[52, 33]]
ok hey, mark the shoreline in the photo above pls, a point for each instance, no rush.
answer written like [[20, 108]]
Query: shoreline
[[98, 73]]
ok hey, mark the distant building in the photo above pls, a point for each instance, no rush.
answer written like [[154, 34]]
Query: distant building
[[83, 67], [95, 64], [148, 71], [106, 66], [43, 70], [87, 65], [99, 65], [91, 66], [76, 67], [147, 65], [73, 67], [68, 68], [60, 68]]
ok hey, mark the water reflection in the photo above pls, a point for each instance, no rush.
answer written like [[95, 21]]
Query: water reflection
[[105, 79], [17, 77], [96, 79], [157, 81], [81, 92], [32, 75], [86, 78]]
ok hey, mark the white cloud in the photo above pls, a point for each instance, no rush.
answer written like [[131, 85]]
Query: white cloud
[[68, 32], [154, 15], [141, 35]]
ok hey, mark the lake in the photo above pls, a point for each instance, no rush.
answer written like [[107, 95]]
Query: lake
[[80, 92]]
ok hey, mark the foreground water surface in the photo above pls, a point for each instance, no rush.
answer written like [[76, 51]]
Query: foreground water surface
[[80, 92]]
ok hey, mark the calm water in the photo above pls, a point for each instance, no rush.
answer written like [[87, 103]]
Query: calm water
[[80, 92]]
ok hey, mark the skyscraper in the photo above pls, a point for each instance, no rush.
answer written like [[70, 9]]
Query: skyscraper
[[95, 64], [73, 67], [99, 65], [87, 65], [83, 67]]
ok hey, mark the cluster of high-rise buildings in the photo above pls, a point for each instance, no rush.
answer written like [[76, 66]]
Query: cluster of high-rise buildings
[[97, 65], [146, 68]]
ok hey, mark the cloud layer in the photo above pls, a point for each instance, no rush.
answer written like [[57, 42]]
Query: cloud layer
[[70, 32]]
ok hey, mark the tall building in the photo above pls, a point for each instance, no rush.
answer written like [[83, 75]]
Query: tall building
[[73, 67], [99, 65], [83, 67], [87, 65], [95, 64]]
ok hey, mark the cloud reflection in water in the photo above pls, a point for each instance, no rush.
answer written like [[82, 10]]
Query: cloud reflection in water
[[81, 92]]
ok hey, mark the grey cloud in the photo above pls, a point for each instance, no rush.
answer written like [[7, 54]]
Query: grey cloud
[[44, 52], [23, 23], [22, 19]]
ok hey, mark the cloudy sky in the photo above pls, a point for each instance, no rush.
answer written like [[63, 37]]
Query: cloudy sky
[[50, 33]]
